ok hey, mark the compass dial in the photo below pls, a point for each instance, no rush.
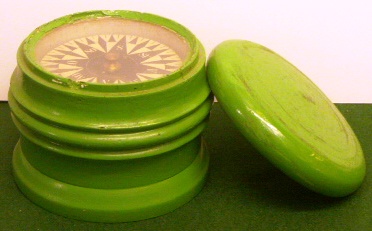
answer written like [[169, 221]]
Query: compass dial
[[111, 50], [112, 59]]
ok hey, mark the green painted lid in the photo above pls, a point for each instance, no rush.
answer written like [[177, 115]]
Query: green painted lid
[[286, 117]]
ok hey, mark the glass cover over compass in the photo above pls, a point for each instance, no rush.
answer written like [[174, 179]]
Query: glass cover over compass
[[111, 51]]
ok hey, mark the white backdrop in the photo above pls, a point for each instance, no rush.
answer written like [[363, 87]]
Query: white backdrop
[[330, 41]]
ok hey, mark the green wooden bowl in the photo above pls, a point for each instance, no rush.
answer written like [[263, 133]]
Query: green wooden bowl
[[110, 106]]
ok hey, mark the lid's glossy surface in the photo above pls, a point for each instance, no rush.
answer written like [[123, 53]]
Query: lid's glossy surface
[[286, 117]]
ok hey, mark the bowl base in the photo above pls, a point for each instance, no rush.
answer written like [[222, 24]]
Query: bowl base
[[110, 205]]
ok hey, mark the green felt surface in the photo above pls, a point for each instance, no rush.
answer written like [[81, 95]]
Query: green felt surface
[[243, 190]]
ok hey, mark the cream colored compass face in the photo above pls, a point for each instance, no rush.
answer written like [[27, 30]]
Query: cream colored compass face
[[111, 59]]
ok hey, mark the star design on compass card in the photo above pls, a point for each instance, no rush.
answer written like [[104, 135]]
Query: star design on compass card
[[112, 59]]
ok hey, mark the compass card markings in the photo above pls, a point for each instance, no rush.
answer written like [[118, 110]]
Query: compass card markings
[[67, 74], [130, 43], [74, 47], [135, 44], [161, 47], [102, 43], [96, 42], [120, 46], [71, 54], [88, 79], [157, 59], [152, 76], [113, 41], [144, 77], [139, 48], [168, 52], [152, 59]]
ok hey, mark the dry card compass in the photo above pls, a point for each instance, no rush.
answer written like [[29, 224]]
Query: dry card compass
[[112, 58], [110, 106]]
